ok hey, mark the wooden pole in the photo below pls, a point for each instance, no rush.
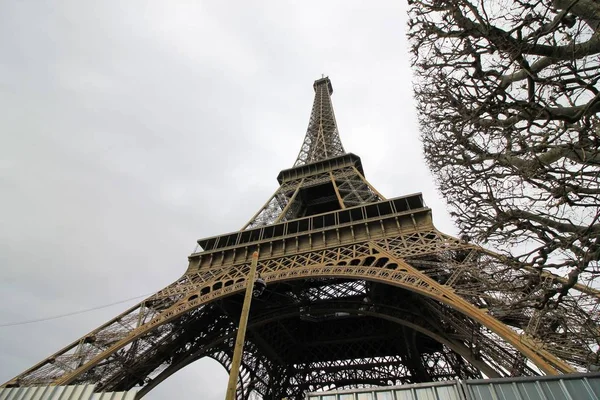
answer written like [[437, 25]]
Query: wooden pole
[[241, 333]]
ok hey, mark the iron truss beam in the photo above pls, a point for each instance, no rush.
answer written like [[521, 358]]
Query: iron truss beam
[[461, 302], [362, 290]]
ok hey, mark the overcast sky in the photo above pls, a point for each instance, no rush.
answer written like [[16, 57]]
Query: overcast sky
[[131, 129]]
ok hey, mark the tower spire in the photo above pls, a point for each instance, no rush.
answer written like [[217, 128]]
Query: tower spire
[[322, 138]]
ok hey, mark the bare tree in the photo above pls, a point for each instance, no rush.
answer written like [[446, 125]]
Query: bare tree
[[508, 101]]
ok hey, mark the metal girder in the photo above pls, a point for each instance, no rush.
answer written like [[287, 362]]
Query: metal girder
[[348, 186]]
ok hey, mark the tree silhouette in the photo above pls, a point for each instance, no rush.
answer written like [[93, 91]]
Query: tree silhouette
[[508, 103]]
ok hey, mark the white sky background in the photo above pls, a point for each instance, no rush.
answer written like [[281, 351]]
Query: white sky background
[[130, 129]]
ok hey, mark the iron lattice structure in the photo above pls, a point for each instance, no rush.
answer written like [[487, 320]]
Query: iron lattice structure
[[362, 290]]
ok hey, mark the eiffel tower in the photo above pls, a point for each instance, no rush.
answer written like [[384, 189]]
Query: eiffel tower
[[362, 290]]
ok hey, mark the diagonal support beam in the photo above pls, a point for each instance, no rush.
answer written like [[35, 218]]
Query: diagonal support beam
[[541, 358]]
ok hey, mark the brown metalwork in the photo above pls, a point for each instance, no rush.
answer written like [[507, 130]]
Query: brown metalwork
[[322, 140], [362, 290]]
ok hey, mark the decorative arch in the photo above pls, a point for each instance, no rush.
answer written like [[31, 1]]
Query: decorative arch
[[380, 266], [357, 308], [375, 264]]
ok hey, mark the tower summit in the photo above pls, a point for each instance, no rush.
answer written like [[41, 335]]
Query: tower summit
[[324, 177], [322, 138], [361, 290]]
